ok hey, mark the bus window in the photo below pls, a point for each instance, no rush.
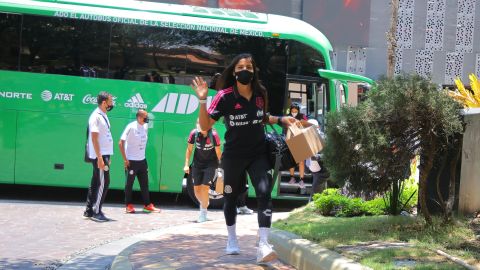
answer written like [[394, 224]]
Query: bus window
[[64, 46], [151, 54], [304, 60], [209, 53], [10, 40]]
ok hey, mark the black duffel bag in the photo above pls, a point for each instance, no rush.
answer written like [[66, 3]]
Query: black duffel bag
[[279, 155]]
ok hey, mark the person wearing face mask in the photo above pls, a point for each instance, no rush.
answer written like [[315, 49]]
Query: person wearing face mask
[[243, 104], [132, 146], [242, 208], [100, 148], [295, 113], [205, 145]]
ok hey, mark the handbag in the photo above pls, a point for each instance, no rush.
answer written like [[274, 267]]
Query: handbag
[[279, 155]]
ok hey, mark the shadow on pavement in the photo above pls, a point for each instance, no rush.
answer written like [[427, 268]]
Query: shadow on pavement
[[203, 251]]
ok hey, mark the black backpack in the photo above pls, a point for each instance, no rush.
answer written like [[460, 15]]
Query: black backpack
[[279, 155]]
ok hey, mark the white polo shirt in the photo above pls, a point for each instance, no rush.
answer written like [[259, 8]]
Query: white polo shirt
[[135, 136], [98, 122]]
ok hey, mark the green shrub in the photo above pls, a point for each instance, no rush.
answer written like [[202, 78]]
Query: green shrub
[[331, 203], [375, 207], [408, 195], [352, 207], [410, 188]]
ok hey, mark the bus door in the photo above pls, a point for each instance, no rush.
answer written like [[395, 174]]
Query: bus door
[[311, 95]]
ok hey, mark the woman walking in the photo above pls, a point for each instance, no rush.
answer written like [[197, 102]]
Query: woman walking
[[206, 147], [243, 103]]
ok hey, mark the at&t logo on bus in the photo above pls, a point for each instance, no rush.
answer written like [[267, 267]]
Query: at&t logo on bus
[[90, 99], [179, 104], [47, 95]]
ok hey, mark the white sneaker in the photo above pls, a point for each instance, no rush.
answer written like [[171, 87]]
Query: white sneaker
[[265, 253], [202, 217], [232, 247], [244, 210]]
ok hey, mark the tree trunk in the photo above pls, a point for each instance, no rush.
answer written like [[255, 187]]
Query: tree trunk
[[439, 189], [457, 149], [426, 168], [392, 40]]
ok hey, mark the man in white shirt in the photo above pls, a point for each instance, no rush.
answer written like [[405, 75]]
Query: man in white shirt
[[100, 148], [132, 146]]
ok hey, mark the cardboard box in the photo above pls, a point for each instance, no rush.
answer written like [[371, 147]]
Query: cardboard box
[[303, 142]]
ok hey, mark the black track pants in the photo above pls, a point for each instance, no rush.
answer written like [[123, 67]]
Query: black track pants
[[98, 187], [139, 169], [234, 179]]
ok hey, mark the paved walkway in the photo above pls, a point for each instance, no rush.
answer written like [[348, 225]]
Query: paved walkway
[[45, 235], [196, 246]]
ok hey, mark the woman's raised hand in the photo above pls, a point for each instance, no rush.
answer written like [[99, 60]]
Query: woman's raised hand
[[200, 87]]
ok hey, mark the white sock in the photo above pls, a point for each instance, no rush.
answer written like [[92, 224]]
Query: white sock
[[232, 232], [203, 210], [263, 234]]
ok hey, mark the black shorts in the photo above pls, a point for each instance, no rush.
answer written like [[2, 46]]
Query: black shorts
[[203, 176]]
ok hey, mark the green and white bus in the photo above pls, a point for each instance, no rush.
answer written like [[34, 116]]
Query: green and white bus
[[57, 55]]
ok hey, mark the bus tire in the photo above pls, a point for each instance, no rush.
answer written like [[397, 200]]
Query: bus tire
[[216, 200]]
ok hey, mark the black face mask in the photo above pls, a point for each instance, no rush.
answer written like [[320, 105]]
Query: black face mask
[[109, 108], [146, 120], [244, 77]]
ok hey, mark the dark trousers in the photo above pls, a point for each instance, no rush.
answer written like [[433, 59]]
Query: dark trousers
[[98, 187], [138, 168], [242, 198], [234, 185]]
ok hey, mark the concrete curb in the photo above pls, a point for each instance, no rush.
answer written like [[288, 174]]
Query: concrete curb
[[306, 255], [121, 261]]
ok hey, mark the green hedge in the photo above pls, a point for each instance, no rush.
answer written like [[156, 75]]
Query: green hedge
[[332, 203]]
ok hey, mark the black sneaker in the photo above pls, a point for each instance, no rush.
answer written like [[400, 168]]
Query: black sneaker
[[87, 214], [100, 217]]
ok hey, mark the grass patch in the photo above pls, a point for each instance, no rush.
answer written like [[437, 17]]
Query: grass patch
[[456, 239], [425, 259]]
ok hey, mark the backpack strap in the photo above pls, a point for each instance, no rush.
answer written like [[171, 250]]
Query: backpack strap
[[210, 135], [196, 137], [278, 157]]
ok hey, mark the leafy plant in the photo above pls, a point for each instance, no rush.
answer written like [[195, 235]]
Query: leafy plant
[[370, 146], [375, 207], [332, 203]]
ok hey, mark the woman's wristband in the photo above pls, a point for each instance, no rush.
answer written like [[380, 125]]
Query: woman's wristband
[[202, 101], [279, 121]]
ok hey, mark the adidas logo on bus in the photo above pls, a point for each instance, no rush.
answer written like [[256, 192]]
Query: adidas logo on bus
[[136, 102], [179, 104]]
